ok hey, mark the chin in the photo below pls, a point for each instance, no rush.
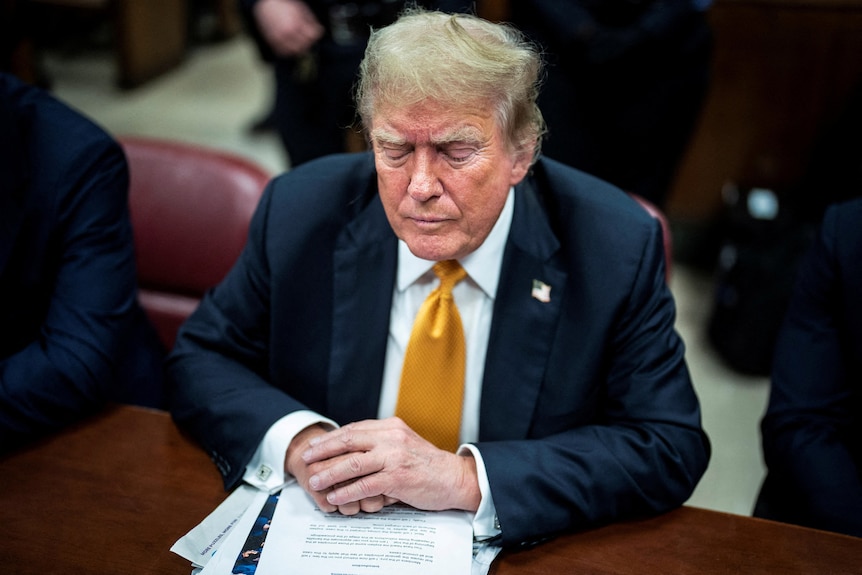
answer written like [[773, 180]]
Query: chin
[[429, 251]]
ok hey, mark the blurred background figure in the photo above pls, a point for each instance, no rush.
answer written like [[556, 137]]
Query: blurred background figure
[[766, 233], [315, 47], [72, 336], [812, 430], [625, 83]]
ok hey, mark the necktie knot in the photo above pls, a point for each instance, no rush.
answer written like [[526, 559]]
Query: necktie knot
[[450, 273]]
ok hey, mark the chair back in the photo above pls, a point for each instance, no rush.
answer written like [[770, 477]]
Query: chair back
[[655, 212], [190, 209]]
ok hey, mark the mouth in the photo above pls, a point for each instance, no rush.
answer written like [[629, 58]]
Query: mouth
[[424, 221]]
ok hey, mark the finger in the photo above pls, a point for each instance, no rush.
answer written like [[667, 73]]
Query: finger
[[351, 508], [363, 489], [343, 470], [322, 503], [372, 504], [340, 441]]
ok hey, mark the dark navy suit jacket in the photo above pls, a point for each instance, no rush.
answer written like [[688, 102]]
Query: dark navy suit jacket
[[812, 430], [71, 334], [587, 411]]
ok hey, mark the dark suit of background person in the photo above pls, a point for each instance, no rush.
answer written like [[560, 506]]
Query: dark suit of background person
[[812, 430], [624, 87], [313, 105], [587, 411], [71, 333]]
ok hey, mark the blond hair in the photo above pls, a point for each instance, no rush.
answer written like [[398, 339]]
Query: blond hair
[[452, 59]]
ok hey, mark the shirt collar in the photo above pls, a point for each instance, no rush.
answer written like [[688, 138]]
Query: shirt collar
[[482, 265]]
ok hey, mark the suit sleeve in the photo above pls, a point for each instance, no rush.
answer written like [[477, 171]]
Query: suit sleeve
[[641, 450], [71, 366], [809, 423]]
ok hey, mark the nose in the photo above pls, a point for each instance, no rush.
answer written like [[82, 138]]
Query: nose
[[424, 183]]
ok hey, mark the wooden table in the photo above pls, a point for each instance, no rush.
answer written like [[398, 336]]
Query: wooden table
[[114, 493]]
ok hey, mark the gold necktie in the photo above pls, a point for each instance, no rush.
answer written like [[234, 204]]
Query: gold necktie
[[432, 379]]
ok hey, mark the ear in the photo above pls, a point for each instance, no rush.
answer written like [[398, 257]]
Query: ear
[[522, 160]]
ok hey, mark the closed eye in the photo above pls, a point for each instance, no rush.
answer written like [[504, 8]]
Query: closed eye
[[395, 153], [459, 154]]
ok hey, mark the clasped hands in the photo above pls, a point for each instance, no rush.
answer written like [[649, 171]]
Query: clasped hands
[[367, 465]]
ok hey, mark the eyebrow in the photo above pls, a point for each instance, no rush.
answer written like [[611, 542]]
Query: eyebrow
[[465, 134], [387, 137]]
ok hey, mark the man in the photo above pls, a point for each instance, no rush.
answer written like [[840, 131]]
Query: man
[[577, 404], [811, 430], [72, 336]]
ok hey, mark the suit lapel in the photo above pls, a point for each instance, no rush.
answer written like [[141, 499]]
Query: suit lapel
[[364, 263], [523, 326]]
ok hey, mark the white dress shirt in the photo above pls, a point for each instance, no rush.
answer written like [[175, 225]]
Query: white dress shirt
[[474, 297]]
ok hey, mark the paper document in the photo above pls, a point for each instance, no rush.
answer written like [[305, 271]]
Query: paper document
[[256, 533], [203, 541], [229, 558], [397, 539]]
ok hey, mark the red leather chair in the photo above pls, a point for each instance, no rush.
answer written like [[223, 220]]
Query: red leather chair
[[655, 212], [190, 209]]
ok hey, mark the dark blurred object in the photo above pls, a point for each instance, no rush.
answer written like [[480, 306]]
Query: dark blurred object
[[762, 242], [625, 83], [212, 20], [765, 233], [781, 70], [833, 173], [147, 38], [17, 50]]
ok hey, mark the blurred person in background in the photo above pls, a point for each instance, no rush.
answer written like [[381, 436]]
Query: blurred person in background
[[72, 336], [812, 429], [626, 80]]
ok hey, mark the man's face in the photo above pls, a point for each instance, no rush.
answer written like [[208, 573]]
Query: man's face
[[443, 175]]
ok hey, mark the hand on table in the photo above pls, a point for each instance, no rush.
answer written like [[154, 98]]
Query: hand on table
[[367, 465]]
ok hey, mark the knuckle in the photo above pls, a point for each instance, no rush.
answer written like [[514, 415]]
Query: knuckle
[[347, 435], [329, 474], [365, 488], [354, 463]]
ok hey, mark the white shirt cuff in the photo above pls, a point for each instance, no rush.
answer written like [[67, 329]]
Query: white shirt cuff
[[485, 524], [266, 471]]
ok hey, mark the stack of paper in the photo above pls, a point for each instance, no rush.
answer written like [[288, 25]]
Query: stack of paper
[[257, 533]]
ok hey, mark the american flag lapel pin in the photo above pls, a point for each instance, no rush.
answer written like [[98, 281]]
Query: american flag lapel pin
[[541, 291]]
